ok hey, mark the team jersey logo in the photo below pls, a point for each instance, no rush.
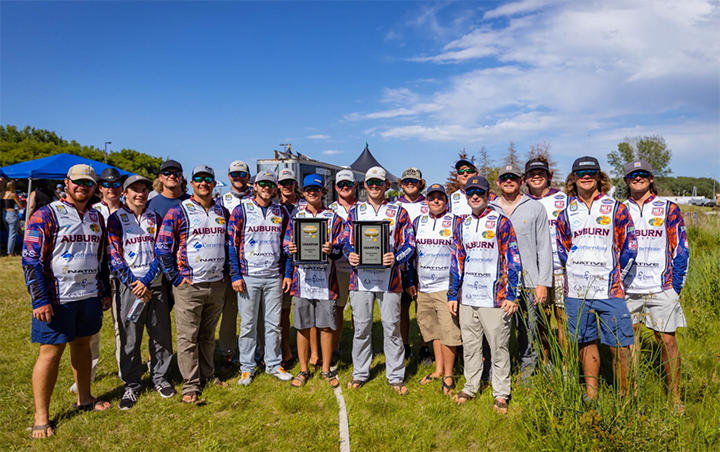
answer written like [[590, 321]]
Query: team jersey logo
[[559, 204], [658, 203], [657, 211], [656, 222], [220, 220], [94, 228], [603, 220], [276, 220], [446, 223], [456, 195], [490, 224], [363, 207], [605, 209], [62, 210], [190, 207], [124, 218], [424, 209], [391, 212], [151, 220], [573, 206], [275, 210], [151, 230], [250, 207], [559, 196], [445, 232], [608, 201], [424, 220], [488, 234], [556, 213]]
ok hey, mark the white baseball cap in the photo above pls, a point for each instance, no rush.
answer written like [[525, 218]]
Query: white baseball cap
[[286, 174], [344, 175], [376, 172], [238, 165]]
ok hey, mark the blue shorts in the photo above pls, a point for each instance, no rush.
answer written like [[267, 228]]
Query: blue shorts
[[69, 321], [583, 316]]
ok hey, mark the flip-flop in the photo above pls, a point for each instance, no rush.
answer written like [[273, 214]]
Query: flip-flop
[[461, 397], [95, 405], [194, 398], [43, 427], [400, 388], [500, 406], [447, 388], [428, 379], [355, 384]]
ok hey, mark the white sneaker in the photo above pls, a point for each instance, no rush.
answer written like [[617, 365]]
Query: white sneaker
[[245, 379], [281, 375], [73, 388]]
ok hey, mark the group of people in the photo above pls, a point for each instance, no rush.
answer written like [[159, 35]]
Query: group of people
[[474, 263]]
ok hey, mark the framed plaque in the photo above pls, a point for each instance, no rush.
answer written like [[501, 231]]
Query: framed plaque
[[309, 234], [371, 242]]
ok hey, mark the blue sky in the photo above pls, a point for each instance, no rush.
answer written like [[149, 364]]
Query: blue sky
[[209, 83]]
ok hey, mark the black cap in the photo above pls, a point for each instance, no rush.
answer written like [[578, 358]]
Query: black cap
[[586, 163], [110, 175], [536, 164], [171, 164], [462, 162], [477, 182]]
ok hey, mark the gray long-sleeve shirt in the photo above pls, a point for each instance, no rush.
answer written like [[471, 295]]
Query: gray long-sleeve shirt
[[530, 222]]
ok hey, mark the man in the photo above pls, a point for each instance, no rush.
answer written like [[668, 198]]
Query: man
[[384, 284], [429, 278], [414, 203], [458, 201], [239, 175], [530, 223], [63, 255], [314, 286], [132, 231], [653, 285], [257, 227], [485, 269], [597, 246], [345, 188], [174, 188], [537, 179], [60, 192], [192, 250]]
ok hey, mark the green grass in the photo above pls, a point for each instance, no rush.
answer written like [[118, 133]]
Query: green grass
[[270, 415]]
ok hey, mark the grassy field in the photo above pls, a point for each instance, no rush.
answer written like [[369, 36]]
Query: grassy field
[[269, 415]]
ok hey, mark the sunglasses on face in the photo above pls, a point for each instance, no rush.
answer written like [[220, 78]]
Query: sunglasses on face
[[476, 191], [467, 171], [84, 182], [512, 177], [587, 172], [375, 182], [643, 174], [312, 189], [410, 181], [171, 173], [238, 174], [206, 179], [538, 173], [345, 184], [287, 182], [110, 184], [266, 184]]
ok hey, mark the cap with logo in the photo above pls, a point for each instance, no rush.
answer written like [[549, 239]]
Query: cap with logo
[[536, 164], [437, 188], [638, 165], [171, 164], [376, 172], [344, 175], [586, 163], [313, 180], [82, 172], [510, 169], [265, 176], [109, 175], [286, 174], [136, 178], [477, 182], [203, 169], [411, 173], [464, 162], [238, 165]]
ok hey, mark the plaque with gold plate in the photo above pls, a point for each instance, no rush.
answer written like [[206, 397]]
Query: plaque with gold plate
[[309, 234], [371, 242]]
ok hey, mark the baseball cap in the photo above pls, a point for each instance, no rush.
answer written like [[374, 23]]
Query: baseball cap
[[437, 187], [344, 175], [110, 175], [536, 164], [59, 186], [265, 176], [376, 172], [238, 165], [82, 172], [286, 174], [136, 178], [640, 165], [586, 163], [203, 169], [313, 180], [411, 173], [477, 182], [510, 169], [171, 164], [462, 162]]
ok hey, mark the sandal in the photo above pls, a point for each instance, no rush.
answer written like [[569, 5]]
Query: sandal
[[191, 397], [301, 378], [331, 378], [95, 405], [317, 365], [355, 384], [500, 406], [288, 363], [427, 379], [44, 428], [447, 388], [400, 388], [461, 397]]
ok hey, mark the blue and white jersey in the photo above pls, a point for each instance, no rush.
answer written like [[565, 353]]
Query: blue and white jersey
[[459, 205], [232, 199], [131, 246], [433, 252], [342, 265], [416, 208], [554, 202], [103, 208]]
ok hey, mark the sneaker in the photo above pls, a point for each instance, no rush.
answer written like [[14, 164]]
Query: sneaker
[[245, 379], [281, 375], [128, 399], [73, 388], [165, 389]]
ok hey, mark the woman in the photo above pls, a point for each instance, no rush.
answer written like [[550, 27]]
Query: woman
[[10, 216]]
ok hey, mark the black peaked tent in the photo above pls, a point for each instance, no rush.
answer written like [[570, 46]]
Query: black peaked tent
[[367, 161]]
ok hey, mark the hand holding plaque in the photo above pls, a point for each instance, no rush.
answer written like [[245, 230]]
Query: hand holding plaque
[[310, 237], [372, 240]]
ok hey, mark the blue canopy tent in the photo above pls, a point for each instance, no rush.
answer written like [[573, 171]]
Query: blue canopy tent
[[52, 167]]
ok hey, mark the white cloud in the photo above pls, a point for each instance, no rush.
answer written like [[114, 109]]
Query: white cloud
[[318, 137], [333, 152]]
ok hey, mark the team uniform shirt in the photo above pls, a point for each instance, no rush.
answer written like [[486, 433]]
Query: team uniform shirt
[[429, 268], [103, 208], [342, 265], [232, 199], [63, 254], [131, 246], [596, 246], [554, 202], [401, 243], [316, 282], [414, 208], [192, 243], [485, 263], [256, 240], [662, 254], [459, 204]]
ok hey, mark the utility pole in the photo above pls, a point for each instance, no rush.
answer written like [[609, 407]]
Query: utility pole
[[106, 143]]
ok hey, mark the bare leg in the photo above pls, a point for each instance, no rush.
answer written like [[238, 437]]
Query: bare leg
[[285, 334], [448, 360], [671, 363], [326, 344], [303, 347], [314, 353], [590, 359], [621, 361], [439, 363], [81, 363], [44, 377]]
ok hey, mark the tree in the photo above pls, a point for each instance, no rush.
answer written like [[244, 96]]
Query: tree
[[511, 158], [651, 149]]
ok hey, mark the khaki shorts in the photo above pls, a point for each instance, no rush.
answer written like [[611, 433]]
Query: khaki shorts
[[435, 320], [343, 289], [556, 295], [660, 312]]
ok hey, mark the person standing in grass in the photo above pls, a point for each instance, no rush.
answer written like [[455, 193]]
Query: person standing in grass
[[537, 179], [428, 280], [597, 246], [131, 233], [459, 205], [654, 283], [383, 284], [192, 248], [484, 280], [315, 287], [10, 203], [66, 275]]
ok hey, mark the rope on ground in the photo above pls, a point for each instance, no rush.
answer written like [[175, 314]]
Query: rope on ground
[[344, 425]]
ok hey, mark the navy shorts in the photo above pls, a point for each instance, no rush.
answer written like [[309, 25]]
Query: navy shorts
[[69, 321], [613, 316]]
